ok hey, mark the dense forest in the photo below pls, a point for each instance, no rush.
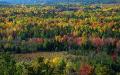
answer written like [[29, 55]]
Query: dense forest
[[87, 35], [59, 28]]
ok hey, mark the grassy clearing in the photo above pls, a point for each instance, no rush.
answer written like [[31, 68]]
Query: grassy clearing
[[32, 56]]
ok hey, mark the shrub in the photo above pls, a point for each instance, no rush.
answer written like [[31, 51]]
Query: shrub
[[49, 45], [110, 44], [86, 69], [97, 43], [78, 41], [102, 70], [27, 47], [7, 64], [21, 68], [38, 67]]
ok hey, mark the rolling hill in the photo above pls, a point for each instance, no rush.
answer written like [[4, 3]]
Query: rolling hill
[[64, 1]]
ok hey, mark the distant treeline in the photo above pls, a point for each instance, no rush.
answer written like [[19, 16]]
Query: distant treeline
[[6, 2], [84, 1]]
